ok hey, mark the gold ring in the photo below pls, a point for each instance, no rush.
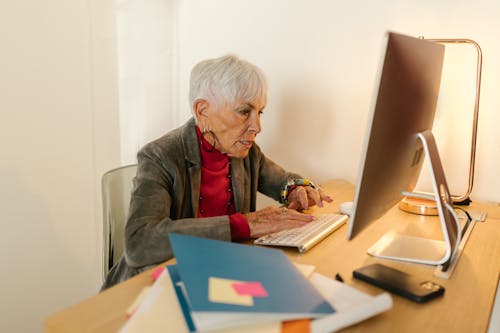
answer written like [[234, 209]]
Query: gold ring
[[283, 209]]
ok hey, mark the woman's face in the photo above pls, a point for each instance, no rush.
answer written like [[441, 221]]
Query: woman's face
[[235, 126]]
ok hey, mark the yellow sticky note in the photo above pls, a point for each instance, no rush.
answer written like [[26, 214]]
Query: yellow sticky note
[[221, 291]]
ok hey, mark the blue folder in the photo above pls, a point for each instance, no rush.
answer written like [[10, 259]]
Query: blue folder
[[289, 295]]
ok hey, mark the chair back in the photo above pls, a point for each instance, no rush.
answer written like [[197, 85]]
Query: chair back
[[116, 193]]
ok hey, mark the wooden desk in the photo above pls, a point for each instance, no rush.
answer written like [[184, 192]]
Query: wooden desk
[[465, 307]]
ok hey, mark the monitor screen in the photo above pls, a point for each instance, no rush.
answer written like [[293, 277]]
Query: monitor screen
[[394, 148]]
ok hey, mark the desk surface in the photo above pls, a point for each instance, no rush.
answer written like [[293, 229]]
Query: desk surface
[[465, 307]]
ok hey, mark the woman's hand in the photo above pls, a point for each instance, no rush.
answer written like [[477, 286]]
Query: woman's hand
[[273, 219], [303, 197]]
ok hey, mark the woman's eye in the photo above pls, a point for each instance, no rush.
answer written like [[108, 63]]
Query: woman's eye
[[245, 112]]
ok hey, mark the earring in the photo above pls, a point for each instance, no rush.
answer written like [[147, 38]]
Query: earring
[[205, 132]]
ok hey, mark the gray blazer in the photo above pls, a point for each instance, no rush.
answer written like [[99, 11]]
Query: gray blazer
[[166, 194]]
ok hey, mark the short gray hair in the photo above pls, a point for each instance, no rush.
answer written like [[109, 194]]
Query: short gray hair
[[227, 79]]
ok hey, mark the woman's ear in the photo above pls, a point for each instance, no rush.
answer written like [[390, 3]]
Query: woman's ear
[[200, 107]]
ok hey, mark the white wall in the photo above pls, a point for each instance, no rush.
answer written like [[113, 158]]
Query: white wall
[[59, 132], [147, 72], [322, 57]]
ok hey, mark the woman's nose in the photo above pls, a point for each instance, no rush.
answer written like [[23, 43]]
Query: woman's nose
[[254, 125]]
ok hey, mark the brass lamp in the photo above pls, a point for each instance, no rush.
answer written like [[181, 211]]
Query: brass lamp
[[423, 204]]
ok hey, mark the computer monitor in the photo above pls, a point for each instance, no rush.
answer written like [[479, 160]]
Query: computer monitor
[[399, 137]]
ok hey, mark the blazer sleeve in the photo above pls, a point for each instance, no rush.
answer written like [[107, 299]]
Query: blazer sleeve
[[271, 176]]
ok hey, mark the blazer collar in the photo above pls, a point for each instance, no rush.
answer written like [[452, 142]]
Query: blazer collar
[[193, 161], [190, 142], [238, 182]]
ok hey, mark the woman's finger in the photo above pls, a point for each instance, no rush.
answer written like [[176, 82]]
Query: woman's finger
[[324, 196], [314, 195], [302, 198], [293, 215], [294, 205]]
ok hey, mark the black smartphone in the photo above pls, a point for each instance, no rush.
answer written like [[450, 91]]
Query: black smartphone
[[398, 282]]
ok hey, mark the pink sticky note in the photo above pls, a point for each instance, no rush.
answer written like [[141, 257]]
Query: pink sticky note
[[157, 272], [255, 289]]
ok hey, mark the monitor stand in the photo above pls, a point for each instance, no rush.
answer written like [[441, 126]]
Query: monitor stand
[[423, 250]]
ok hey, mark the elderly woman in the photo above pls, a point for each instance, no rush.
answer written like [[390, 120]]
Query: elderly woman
[[202, 178]]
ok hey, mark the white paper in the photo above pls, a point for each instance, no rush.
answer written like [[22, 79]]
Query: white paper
[[351, 305], [306, 270], [159, 311]]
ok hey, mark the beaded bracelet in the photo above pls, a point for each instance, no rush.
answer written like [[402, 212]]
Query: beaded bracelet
[[292, 183]]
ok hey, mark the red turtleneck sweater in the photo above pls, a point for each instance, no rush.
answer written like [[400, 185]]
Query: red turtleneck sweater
[[216, 192]]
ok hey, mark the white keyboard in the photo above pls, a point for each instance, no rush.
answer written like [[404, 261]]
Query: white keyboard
[[305, 237]]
